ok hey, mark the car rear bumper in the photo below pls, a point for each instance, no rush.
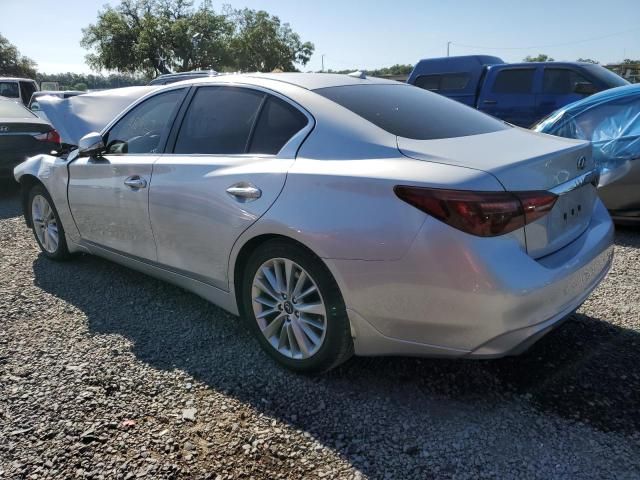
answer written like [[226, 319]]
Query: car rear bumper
[[457, 295]]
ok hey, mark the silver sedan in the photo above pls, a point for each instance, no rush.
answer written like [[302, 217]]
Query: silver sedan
[[336, 214]]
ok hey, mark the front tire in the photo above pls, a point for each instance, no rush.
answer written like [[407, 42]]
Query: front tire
[[295, 308], [46, 224]]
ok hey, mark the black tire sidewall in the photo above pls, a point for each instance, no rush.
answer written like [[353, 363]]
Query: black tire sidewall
[[337, 345], [62, 251]]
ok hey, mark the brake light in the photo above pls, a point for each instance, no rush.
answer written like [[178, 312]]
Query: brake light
[[51, 136], [485, 214]]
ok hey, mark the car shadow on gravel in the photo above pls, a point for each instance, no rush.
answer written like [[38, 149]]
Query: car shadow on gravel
[[9, 199], [587, 370]]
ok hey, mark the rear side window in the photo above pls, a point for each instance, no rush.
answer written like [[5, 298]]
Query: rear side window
[[11, 109], [27, 89], [219, 121], [412, 112], [9, 89], [561, 80], [446, 82], [514, 81], [278, 122]]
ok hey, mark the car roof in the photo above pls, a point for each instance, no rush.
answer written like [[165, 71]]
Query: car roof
[[308, 81], [16, 79]]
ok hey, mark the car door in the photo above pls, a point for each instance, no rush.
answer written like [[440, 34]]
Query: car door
[[558, 89], [227, 161], [109, 193], [508, 94]]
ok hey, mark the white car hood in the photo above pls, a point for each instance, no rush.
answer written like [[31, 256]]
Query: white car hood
[[76, 116]]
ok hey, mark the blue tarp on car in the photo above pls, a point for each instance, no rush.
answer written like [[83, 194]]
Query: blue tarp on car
[[610, 120]]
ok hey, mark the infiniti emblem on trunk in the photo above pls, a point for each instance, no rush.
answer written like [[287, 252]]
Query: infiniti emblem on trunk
[[582, 162]]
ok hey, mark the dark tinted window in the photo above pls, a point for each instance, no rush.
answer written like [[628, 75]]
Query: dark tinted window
[[9, 89], [609, 78], [412, 112], [514, 81], [142, 128], [27, 89], [445, 82], [219, 121], [278, 122], [11, 109], [561, 80]]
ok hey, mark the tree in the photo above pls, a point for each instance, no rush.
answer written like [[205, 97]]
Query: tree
[[629, 61], [587, 60], [541, 57], [262, 43], [12, 64], [161, 36]]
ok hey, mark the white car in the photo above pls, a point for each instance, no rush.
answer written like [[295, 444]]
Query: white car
[[336, 214]]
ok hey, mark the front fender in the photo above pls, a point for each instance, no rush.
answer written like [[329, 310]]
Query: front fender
[[51, 172]]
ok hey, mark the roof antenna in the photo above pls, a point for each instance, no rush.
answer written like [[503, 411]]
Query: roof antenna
[[358, 74]]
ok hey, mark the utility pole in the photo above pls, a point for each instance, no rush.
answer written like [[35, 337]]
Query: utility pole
[[448, 45], [322, 62]]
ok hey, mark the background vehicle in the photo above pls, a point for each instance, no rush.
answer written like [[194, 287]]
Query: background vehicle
[[50, 86], [33, 103], [337, 214], [168, 78], [611, 121], [18, 88], [519, 93], [22, 134]]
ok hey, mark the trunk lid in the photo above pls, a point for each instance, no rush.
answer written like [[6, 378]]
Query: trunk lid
[[17, 141], [521, 160]]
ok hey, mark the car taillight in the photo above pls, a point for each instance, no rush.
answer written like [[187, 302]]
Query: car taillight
[[51, 136], [485, 214]]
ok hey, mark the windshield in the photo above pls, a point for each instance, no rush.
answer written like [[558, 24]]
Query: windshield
[[411, 112], [605, 75]]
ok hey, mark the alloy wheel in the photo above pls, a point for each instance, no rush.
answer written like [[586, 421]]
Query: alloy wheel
[[44, 223], [289, 308]]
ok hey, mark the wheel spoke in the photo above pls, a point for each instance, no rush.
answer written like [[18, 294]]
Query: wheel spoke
[[283, 338], [268, 274], [266, 289], [300, 337], [299, 284], [266, 313], [314, 322], [315, 308], [292, 341], [277, 268], [273, 328], [308, 331], [266, 302], [309, 290]]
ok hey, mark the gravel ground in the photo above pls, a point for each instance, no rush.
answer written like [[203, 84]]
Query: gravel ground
[[107, 373]]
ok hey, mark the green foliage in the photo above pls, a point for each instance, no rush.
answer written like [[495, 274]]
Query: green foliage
[[541, 57], [397, 69], [588, 60], [161, 36], [629, 61], [12, 64], [69, 80]]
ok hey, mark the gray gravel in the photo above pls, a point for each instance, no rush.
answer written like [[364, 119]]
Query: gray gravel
[[106, 373]]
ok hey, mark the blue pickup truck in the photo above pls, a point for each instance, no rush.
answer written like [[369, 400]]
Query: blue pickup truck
[[519, 93]]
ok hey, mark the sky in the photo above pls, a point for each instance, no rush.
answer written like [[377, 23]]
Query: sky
[[371, 34]]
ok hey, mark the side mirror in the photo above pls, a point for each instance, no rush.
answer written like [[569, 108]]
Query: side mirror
[[585, 88], [91, 144]]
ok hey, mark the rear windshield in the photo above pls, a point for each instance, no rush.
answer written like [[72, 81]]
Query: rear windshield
[[11, 109], [605, 75], [9, 89], [412, 112]]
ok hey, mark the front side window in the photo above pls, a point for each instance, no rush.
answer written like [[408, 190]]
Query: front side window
[[561, 81], [517, 80], [411, 112], [428, 82], [143, 127], [9, 89], [219, 121]]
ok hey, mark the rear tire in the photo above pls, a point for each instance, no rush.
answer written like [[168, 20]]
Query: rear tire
[[294, 307], [46, 224]]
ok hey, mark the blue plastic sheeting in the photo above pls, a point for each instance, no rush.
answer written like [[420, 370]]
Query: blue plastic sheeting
[[610, 120]]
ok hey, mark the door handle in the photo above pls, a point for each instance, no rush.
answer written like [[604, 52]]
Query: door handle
[[490, 102], [135, 182], [244, 191]]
